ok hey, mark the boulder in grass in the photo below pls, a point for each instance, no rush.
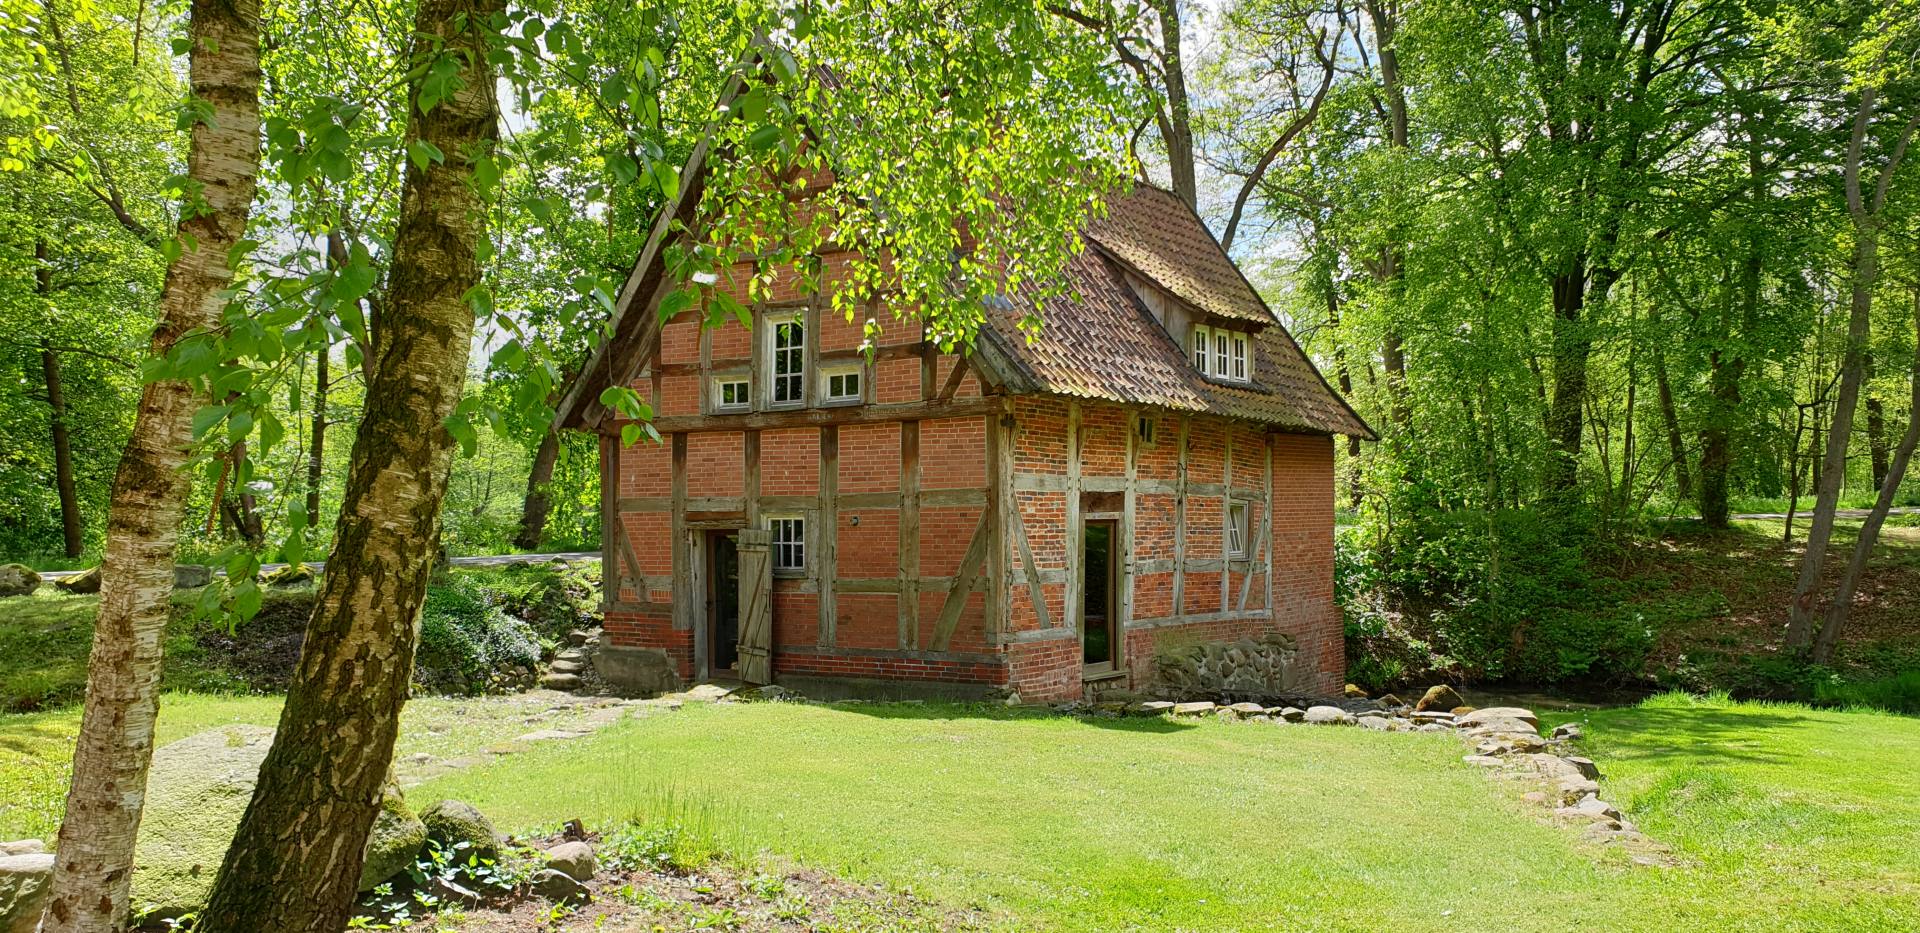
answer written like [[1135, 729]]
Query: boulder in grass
[[197, 791], [558, 887], [1491, 713], [453, 822], [1438, 697], [87, 581], [1328, 716], [25, 881], [396, 840], [288, 577], [191, 576], [18, 580], [574, 859]]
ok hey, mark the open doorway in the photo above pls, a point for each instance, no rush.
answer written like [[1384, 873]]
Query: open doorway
[[1099, 630], [723, 603]]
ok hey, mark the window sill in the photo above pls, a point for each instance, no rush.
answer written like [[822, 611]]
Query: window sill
[[1094, 677]]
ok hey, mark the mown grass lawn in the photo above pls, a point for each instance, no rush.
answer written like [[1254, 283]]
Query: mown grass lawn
[[1782, 818]]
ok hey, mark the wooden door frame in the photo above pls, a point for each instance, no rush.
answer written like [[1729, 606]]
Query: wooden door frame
[[700, 577], [1115, 665]]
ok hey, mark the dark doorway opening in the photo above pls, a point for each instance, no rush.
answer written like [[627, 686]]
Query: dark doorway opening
[[1099, 633], [723, 602]]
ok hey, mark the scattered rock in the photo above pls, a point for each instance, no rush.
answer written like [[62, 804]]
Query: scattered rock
[[1496, 727], [1196, 708], [546, 735], [1376, 723], [579, 636], [290, 576], [1151, 708], [766, 693], [1293, 714], [1439, 697], [452, 822], [87, 582], [1590, 807], [1586, 766], [1352, 692], [709, 693], [18, 580], [562, 682], [575, 859], [1433, 716], [1461, 710], [1568, 730], [1389, 701], [1492, 713], [25, 881], [1328, 716], [191, 576], [1247, 710], [396, 840], [1481, 761], [558, 887], [448, 891], [1510, 744]]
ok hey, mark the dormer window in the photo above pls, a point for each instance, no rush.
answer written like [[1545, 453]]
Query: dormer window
[[1221, 353]]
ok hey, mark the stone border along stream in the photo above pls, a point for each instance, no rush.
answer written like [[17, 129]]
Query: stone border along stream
[[1506, 740]]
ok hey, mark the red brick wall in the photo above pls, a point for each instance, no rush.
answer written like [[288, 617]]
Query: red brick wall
[[1301, 552]]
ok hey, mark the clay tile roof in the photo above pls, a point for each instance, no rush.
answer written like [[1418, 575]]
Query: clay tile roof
[[1101, 342], [1153, 233]]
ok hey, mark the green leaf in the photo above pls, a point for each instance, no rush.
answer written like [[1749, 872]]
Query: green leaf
[[206, 418], [422, 153]]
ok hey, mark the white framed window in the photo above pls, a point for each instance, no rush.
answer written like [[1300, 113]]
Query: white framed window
[[787, 363], [732, 393], [789, 542], [842, 383], [1237, 529], [1220, 352], [1239, 358], [1202, 344]]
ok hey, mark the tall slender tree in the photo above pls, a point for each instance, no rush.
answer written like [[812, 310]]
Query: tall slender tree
[[94, 852], [296, 857]]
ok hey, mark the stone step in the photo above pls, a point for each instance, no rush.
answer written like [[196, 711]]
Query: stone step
[[561, 681]]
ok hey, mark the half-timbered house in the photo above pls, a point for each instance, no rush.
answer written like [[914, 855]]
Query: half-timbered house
[[1141, 496]]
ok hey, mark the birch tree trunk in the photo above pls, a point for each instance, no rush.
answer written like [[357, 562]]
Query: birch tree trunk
[[94, 854], [295, 862]]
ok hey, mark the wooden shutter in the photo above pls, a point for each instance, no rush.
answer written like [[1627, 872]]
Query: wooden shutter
[[756, 607]]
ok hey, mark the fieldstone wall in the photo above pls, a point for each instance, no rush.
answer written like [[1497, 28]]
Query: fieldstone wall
[[1265, 666]]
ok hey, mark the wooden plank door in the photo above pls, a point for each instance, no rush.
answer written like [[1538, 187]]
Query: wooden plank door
[[756, 606]]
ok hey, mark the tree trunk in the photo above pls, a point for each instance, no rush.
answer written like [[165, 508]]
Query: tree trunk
[[296, 858], [1179, 108], [1865, 214], [1863, 546], [1571, 347], [1670, 417], [539, 503], [1393, 359], [1876, 433], [73, 530], [317, 447], [95, 848], [1716, 439]]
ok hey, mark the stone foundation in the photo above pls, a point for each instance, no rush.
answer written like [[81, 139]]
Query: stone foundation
[[1264, 666]]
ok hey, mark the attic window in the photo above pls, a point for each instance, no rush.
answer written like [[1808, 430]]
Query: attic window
[[1223, 354]]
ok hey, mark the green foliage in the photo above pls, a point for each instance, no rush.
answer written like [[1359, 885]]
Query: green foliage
[[468, 642], [1508, 595]]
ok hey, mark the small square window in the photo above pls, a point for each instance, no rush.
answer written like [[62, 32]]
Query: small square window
[[1237, 529], [789, 543], [843, 386], [732, 394], [1145, 428]]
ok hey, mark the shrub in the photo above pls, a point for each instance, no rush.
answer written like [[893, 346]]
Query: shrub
[[1506, 595], [467, 641]]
